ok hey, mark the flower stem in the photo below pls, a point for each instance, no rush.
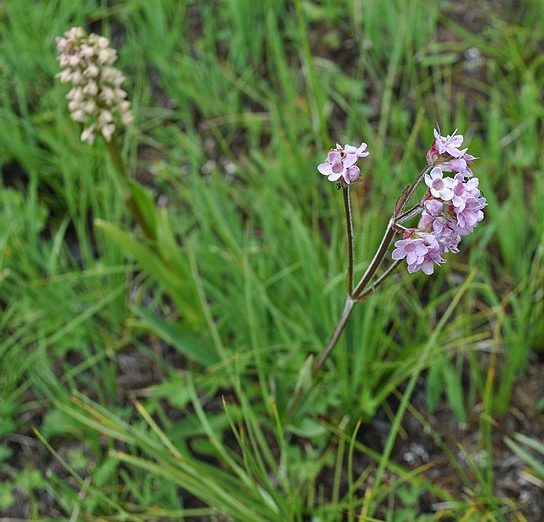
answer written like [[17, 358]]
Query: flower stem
[[390, 231], [376, 260], [349, 231], [379, 281], [359, 293], [339, 328], [409, 214], [114, 150], [340, 325]]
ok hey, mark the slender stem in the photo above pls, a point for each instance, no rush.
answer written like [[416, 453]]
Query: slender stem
[[409, 214], [114, 150], [379, 281], [340, 325], [349, 231], [359, 293], [348, 307], [390, 232], [409, 192], [377, 259]]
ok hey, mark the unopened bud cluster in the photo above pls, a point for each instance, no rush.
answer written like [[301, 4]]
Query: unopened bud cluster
[[96, 99]]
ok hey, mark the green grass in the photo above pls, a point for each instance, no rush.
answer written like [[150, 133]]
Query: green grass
[[235, 104]]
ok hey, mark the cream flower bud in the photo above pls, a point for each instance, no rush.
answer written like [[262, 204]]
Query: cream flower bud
[[87, 136], [127, 118], [79, 115], [91, 88], [106, 56], [87, 51], [92, 71], [105, 117], [108, 95], [73, 61], [65, 76], [75, 94], [77, 77], [61, 44], [107, 131], [89, 106]]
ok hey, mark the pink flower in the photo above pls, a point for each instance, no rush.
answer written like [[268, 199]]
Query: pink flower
[[446, 148], [432, 208], [470, 214], [449, 144], [447, 235], [453, 211], [340, 164], [421, 251], [460, 165], [413, 249], [440, 187], [427, 262], [337, 167], [462, 190]]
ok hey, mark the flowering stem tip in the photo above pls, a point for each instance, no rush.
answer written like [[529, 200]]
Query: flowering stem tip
[[97, 99]]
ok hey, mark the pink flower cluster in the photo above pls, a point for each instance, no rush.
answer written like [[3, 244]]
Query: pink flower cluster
[[340, 164], [452, 207], [96, 99]]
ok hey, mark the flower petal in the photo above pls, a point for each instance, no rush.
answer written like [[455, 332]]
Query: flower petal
[[334, 156], [398, 253], [350, 160], [325, 168]]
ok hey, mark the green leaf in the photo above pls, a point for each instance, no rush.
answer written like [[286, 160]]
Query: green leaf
[[148, 259], [173, 281], [308, 429], [178, 337]]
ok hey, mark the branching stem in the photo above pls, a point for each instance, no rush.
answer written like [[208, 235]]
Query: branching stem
[[361, 292]]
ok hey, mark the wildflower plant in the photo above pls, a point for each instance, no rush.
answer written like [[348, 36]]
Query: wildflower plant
[[98, 101], [450, 209]]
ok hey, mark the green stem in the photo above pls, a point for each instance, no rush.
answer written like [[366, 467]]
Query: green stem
[[339, 328], [390, 231], [376, 260], [124, 181], [340, 325], [379, 281]]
